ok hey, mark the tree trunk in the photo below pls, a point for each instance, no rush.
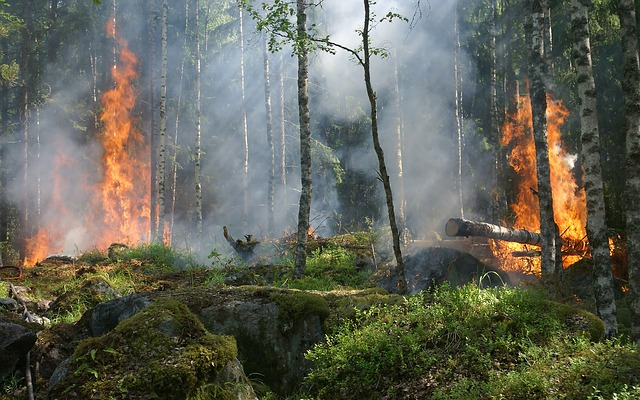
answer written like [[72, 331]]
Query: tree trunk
[[458, 116], [590, 136], [174, 156], [24, 119], [283, 137], [494, 127], [163, 126], [153, 118], [548, 37], [404, 230], [245, 133], [397, 251], [463, 227], [537, 92], [631, 90], [272, 153], [304, 208], [198, 149]]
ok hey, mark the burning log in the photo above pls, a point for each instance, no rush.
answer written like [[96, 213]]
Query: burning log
[[463, 227], [244, 248]]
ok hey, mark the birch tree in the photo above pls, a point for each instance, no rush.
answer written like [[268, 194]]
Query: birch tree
[[590, 137], [245, 133], [174, 156], [537, 92], [198, 149], [304, 208], [163, 124], [631, 91], [272, 152]]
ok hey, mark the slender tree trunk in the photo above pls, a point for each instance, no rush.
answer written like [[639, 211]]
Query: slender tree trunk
[[590, 136], [198, 149], [397, 251], [283, 138], [245, 133], [163, 125], [404, 231], [24, 119], [174, 156], [458, 102], [304, 208], [493, 113], [537, 92], [272, 152], [548, 37], [153, 118], [631, 89]]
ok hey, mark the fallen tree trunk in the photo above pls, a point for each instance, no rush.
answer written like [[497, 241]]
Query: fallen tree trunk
[[464, 227]]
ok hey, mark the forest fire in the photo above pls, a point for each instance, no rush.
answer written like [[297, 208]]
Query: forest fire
[[569, 200], [120, 210], [125, 187]]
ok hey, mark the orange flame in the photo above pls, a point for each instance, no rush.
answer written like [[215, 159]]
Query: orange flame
[[125, 187], [120, 212], [569, 201]]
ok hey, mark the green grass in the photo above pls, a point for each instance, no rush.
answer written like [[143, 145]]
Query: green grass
[[471, 343]]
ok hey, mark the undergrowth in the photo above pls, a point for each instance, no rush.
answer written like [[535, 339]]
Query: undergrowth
[[470, 343]]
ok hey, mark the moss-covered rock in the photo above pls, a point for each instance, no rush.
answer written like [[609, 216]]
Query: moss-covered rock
[[163, 352]]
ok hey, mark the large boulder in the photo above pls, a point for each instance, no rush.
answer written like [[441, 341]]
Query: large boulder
[[162, 352], [273, 328], [15, 342]]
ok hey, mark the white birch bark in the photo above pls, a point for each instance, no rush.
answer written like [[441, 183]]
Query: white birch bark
[[590, 138]]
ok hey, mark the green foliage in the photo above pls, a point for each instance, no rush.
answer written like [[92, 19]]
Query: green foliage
[[469, 343], [330, 267], [158, 257]]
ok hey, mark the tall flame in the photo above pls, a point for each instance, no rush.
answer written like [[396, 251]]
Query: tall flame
[[125, 187], [569, 201], [119, 210]]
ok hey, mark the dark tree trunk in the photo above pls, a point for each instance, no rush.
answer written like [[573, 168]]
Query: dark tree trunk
[[631, 89], [384, 176], [304, 208], [272, 152]]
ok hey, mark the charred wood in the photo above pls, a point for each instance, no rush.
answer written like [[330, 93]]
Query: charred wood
[[244, 248], [464, 227]]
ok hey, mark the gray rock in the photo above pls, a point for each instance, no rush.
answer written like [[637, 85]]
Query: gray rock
[[9, 304], [271, 342], [106, 316], [15, 342]]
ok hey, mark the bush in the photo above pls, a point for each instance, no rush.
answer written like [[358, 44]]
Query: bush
[[468, 343], [158, 257]]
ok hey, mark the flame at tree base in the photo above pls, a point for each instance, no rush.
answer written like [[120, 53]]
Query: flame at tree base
[[569, 201]]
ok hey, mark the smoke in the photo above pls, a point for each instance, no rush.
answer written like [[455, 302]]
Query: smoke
[[69, 160]]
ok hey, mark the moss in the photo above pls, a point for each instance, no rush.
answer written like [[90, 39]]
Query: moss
[[163, 352], [295, 305], [344, 303], [579, 320]]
